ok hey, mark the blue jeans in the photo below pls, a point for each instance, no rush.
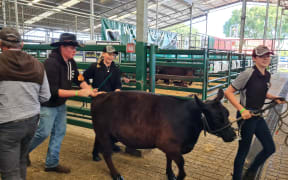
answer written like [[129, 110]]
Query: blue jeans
[[255, 125], [15, 137], [53, 123]]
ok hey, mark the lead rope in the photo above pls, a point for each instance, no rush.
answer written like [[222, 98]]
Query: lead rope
[[281, 124]]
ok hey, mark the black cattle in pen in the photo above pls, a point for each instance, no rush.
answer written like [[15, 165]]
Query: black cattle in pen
[[176, 71], [143, 120]]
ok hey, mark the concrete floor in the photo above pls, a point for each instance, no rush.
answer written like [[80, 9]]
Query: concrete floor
[[211, 159]]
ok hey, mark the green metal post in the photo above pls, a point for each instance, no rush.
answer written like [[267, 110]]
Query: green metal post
[[205, 75], [152, 67], [141, 59], [229, 68], [141, 40], [243, 62], [38, 54]]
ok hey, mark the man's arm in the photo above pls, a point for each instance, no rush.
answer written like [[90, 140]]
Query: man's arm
[[44, 93], [71, 93]]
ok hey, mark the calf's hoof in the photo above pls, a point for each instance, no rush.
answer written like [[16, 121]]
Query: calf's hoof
[[249, 175], [116, 148], [171, 176], [96, 158], [118, 177]]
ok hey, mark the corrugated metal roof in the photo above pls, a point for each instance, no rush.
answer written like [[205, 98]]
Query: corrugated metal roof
[[74, 16]]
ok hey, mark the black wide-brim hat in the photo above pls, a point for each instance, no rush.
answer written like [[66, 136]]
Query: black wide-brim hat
[[66, 39]]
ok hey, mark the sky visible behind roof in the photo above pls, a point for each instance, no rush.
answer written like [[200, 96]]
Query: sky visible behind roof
[[217, 19]]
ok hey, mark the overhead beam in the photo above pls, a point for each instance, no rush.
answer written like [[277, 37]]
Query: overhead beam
[[128, 3], [97, 4], [48, 8], [168, 7], [173, 14], [185, 2], [162, 14], [68, 21], [53, 10], [184, 20]]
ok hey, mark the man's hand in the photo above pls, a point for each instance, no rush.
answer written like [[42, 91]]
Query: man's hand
[[96, 93], [85, 92]]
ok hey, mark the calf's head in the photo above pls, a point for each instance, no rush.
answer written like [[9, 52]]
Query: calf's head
[[215, 117]]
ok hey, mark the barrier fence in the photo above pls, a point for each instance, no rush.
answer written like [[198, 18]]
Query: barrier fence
[[206, 70]]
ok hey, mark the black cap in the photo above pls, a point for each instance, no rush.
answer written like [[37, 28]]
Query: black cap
[[66, 39]]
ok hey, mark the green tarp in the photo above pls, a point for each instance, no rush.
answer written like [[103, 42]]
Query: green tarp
[[126, 33]]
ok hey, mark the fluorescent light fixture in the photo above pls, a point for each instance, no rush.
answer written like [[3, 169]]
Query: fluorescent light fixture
[[34, 1], [99, 25], [125, 15], [38, 18], [69, 3], [52, 11], [112, 17], [61, 7]]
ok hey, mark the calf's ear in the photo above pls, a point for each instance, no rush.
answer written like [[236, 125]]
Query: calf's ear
[[220, 95], [199, 102]]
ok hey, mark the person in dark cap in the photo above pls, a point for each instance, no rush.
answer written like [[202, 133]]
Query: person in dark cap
[[24, 85], [105, 67], [105, 76], [253, 85], [61, 71]]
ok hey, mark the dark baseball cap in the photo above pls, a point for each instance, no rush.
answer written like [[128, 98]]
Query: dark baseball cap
[[110, 49], [10, 35], [261, 50]]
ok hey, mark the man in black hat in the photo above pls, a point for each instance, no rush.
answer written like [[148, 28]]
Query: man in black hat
[[61, 72], [24, 85]]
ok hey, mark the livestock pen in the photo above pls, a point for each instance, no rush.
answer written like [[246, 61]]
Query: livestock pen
[[204, 153]]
